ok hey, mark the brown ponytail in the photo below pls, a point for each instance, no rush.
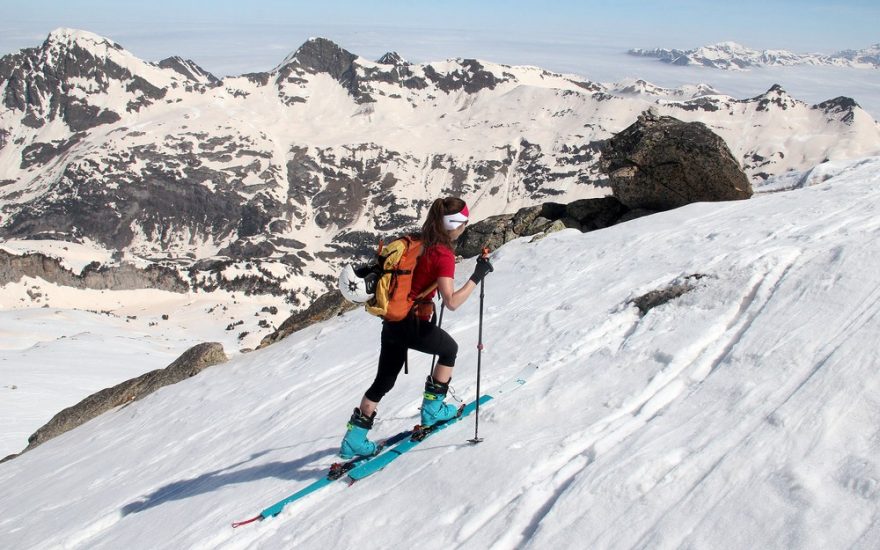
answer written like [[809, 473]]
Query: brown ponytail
[[433, 232]]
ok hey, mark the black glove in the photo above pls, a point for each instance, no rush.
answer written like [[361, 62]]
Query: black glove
[[482, 269]]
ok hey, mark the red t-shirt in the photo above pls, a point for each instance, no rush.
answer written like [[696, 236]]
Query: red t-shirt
[[436, 261]]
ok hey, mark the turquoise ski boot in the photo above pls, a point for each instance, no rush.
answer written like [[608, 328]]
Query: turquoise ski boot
[[355, 442], [434, 410]]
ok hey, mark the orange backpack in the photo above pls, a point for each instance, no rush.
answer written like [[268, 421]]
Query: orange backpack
[[397, 262]]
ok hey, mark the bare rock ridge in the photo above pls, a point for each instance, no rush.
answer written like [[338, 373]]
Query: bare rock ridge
[[93, 276], [189, 69], [192, 362], [319, 55], [326, 307]]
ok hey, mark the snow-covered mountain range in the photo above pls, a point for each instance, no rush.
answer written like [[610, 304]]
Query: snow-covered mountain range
[[741, 414], [733, 56], [264, 183]]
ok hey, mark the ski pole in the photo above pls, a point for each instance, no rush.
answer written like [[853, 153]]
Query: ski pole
[[477, 438]]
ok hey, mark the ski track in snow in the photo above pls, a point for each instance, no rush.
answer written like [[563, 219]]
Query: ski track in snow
[[857, 322], [551, 478]]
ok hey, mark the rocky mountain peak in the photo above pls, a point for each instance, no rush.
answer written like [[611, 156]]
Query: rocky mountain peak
[[66, 37], [844, 107], [869, 56], [320, 55], [775, 96], [75, 76], [392, 58], [189, 70], [728, 46]]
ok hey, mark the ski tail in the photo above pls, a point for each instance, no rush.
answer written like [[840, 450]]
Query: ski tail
[[236, 524], [337, 470]]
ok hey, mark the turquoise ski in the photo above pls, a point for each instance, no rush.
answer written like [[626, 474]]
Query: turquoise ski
[[392, 449]]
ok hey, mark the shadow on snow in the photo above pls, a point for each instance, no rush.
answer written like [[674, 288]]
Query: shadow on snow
[[294, 470]]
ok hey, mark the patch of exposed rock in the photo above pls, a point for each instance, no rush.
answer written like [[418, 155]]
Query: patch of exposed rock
[[648, 301], [191, 363], [326, 307], [659, 163], [584, 215], [94, 276]]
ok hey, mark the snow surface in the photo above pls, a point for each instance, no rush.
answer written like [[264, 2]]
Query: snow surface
[[743, 414], [52, 357]]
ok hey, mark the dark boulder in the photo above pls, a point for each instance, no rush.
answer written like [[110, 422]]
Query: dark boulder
[[660, 163]]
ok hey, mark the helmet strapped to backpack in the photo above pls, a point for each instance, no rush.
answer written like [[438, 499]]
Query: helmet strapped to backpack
[[358, 285]]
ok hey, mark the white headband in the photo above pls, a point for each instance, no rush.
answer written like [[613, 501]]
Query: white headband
[[453, 221]]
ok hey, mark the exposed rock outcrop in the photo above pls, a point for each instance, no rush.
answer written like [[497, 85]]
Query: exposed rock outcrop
[[93, 276], [191, 363], [648, 301], [189, 69], [660, 163], [326, 307], [319, 55], [584, 215], [38, 80]]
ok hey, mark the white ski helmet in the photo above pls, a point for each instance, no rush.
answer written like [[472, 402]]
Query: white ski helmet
[[355, 287]]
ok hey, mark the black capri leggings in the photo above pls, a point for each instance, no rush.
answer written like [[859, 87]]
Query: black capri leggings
[[397, 338]]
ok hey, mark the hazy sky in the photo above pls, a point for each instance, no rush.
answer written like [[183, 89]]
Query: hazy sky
[[231, 37]]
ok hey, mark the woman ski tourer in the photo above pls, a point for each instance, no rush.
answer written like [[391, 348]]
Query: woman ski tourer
[[445, 222]]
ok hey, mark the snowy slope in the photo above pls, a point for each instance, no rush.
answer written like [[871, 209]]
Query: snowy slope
[[743, 414], [52, 358]]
